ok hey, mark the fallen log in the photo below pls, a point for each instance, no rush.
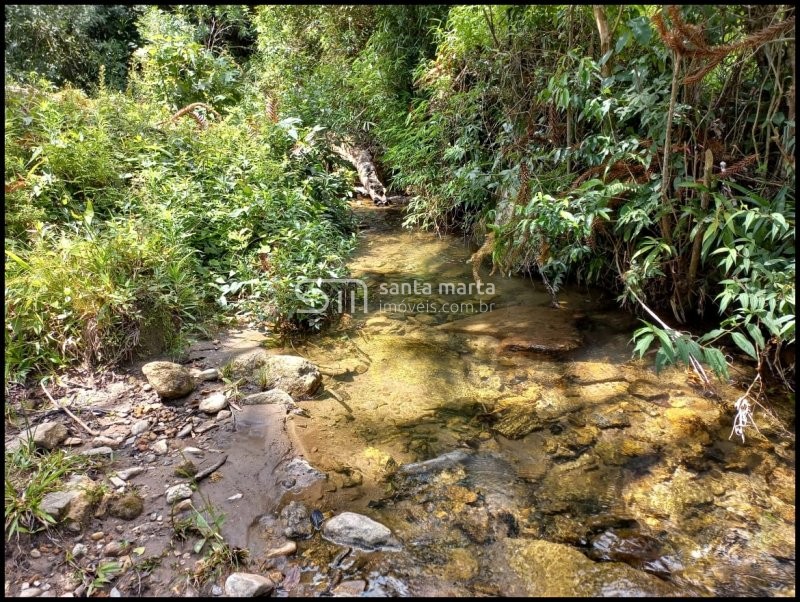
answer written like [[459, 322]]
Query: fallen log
[[361, 159]]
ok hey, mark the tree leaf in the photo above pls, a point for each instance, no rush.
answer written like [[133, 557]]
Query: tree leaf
[[744, 344]]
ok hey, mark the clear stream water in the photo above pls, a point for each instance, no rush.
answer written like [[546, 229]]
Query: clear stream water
[[579, 472]]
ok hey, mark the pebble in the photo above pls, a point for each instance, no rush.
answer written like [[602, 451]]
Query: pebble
[[185, 431], [213, 403], [154, 516], [97, 536], [114, 593], [193, 450], [113, 548], [235, 497], [98, 451], [286, 549], [216, 590], [159, 518], [150, 458], [107, 441], [129, 473], [31, 592], [183, 505], [223, 414], [35, 553], [160, 447], [117, 482], [178, 492], [70, 441], [147, 387], [120, 529], [139, 427]]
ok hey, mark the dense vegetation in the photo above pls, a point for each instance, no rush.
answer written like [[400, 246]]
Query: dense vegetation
[[649, 151]]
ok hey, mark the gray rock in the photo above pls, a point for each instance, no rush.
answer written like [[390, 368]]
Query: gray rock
[[222, 415], [79, 550], [35, 553], [160, 447], [139, 427], [113, 549], [98, 451], [247, 585], [129, 473], [359, 531], [437, 464], [205, 375], [170, 380], [298, 523], [301, 474], [114, 593], [295, 375], [56, 504], [105, 441], [216, 590], [274, 396], [213, 403], [185, 431], [31, 592], [47, 435], [178, 492]]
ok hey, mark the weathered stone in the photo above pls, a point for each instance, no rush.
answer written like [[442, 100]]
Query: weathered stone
[[347, 589], [286, 549], [79, 550], [534, 328], [105, 441], [139, 427], [357, 530], [178, 492], [47, 435], [247, 585], [170, 380], [57, 503], [31, 592], [295, 375], [161, 447], [518, 417], [223, 414], [301, 474], [98, 451], [129, 473], [298, 523], [213, 403], [554, 570], [113, 549], [127, 507], [273, 396], [72, 441], [205, 375]]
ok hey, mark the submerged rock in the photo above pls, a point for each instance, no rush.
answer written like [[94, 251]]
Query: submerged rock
[[357, 530], [434, 465], [534, 328], [588, 373], [170, 380], [549, 569]]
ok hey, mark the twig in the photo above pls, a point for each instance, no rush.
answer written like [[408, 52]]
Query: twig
[[69, 413], [204, 473]]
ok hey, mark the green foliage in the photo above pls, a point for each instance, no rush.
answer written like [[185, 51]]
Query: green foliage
[[70, 43], [28, 478], [176, 69]]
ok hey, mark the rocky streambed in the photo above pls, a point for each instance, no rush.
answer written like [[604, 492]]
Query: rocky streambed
[[425, 447]]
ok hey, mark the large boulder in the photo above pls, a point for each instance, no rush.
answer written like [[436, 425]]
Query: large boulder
[[170, 380], [295, 375], [359, 531]]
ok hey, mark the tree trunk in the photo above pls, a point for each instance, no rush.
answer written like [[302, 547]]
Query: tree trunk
[[605, 37], [361, 159]]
